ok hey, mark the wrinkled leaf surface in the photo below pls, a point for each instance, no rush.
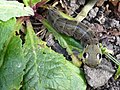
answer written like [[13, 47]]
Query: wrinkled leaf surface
[[48, 70], [11, 71], [6, 28]]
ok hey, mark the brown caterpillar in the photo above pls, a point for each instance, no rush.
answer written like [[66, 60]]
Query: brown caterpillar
[[92, 53]]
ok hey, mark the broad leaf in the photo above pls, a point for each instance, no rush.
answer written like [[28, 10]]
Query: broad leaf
[[11, 71], [9, 9], [48, 70], [6, 28]]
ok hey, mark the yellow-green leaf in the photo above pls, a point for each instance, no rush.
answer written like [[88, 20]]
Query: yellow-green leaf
[[11, 71], [48, 70]]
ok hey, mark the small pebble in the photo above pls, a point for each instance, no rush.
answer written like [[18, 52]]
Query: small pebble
[[100, 75], [114, 23], [118, 57], [112, 39], [93, 12], [118, 40], [110, 47], [110, 23]]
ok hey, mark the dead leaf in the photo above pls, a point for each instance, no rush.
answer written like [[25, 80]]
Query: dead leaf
[[100, 3], [114, 2]]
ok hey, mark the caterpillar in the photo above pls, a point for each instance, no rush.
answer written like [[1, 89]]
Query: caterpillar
[[92, 54]]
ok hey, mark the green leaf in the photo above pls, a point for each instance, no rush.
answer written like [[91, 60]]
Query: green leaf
[[33, 2], [48, 70], [117, 73], [11, 71], [6, 28], [65, 15], [73, 44], [66, 42], [9, 9]]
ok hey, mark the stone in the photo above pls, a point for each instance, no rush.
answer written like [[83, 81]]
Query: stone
[[100, 75], [118, 57], [93, 12], [118, 40]]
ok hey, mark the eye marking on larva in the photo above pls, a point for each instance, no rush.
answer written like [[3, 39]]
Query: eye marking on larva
[[92, 54], [85, 55], [99, 56]]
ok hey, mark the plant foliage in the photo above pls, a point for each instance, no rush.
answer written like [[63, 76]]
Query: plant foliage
[[9, 9], [32, 65]]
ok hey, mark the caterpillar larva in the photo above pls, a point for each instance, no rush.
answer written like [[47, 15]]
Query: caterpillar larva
[[92, 53]]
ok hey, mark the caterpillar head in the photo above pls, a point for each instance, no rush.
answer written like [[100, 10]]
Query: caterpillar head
[[92, 55]]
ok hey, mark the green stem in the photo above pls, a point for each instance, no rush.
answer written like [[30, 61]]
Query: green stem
[[112, 58]]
